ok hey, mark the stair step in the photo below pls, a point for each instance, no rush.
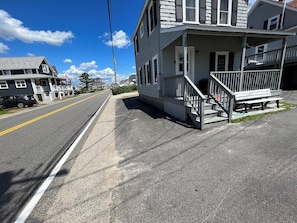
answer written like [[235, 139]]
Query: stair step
[[210, 112]]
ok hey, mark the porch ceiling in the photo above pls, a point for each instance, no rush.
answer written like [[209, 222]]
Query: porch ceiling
[[254, 37]]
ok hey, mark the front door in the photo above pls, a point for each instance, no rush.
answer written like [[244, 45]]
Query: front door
[[179, 62], [222, 60]]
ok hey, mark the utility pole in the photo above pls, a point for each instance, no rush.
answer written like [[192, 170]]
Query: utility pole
[[111, 38]]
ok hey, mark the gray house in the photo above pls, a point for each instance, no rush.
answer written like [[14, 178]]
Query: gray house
[[32, 76], [275, 15], [213, 35]]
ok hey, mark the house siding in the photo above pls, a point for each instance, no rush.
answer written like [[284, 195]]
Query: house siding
[[168, 14], [12, 90]]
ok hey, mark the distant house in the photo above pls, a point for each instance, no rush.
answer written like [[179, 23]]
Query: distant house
[[190, 51], [275, 15], [32, 76]]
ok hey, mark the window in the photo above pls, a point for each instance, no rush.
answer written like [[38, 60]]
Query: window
[[20, 84], [148, 72], [28, 71], [155, 69], [273, 23], [136, 44], [140, 76], [3, 85], [224, 12], [191, 10], [16, 72], [260, 53], [45, 68], [222, 61], [6, 72], [141, 30], [152, 16]]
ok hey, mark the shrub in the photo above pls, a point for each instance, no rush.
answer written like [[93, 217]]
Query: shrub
[[123, 89]]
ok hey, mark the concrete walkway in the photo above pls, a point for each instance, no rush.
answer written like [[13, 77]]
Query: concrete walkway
[[138, 165]]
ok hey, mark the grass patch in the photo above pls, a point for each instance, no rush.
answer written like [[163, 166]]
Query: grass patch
[[284, 105], [7, 111]]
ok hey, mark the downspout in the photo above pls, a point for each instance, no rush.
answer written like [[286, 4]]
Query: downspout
[[284, 46]]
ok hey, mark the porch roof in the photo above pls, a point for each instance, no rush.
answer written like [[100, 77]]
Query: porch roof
[[254, 37], [28, 76]]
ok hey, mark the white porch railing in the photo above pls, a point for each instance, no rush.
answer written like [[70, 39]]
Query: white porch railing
[[250, 80], [271, 57]]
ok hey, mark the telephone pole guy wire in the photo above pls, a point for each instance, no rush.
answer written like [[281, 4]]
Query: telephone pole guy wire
[[111, 38]]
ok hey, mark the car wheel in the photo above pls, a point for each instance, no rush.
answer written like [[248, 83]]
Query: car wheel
[[20, 105], [30, 105]]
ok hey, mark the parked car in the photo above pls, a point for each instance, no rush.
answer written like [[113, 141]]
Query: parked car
[[19, 101]]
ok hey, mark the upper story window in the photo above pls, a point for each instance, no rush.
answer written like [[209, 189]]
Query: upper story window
[[155, 69], [224, 12], [152, 16], [6, 72], [45, 68], [273, 23], [3, 85], [191, 10], [141, 30], [136, 44]]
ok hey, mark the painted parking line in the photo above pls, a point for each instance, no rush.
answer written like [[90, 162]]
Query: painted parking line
[[41, 117]]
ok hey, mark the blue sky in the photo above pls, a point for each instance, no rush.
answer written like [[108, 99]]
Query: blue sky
[[72, 35]]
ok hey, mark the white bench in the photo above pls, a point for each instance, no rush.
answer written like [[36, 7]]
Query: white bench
[[252, 97]]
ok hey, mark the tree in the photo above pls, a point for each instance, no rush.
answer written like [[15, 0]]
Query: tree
[[85, 78]]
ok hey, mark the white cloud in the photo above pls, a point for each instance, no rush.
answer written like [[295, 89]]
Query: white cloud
[[3, 48], [30, 55], [67, 61], [120, 39], [87, 65], [11, 29], [106, 74]]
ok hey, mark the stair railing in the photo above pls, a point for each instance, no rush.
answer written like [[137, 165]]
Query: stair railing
[[194, 97], [221, 94]]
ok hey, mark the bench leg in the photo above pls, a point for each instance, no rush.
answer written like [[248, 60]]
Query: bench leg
[[262, 105], [245, 107], [277, 103]]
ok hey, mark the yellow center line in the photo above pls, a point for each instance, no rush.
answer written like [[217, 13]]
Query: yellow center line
[[41, 117]]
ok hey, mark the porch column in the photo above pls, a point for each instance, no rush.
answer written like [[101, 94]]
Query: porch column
[[284, 47], [244, 44], [185, 51]]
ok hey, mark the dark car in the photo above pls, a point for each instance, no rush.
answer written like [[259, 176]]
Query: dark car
[[19, 101]]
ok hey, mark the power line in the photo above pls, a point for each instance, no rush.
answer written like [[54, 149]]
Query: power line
[[111, 38]]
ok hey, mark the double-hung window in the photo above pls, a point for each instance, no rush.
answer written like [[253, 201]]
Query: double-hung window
[[191, 10], [155, 69], [224, 12], [273, 23]]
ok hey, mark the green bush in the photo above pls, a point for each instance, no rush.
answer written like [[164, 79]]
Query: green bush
[[123, 89]]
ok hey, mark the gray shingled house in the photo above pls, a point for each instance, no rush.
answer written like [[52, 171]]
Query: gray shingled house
[[213, 35], [32, 76], [268, 15]]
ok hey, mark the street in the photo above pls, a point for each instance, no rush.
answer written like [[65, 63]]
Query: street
[[31, 143]]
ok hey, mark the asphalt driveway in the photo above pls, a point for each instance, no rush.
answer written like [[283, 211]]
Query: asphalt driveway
[[244, 172]]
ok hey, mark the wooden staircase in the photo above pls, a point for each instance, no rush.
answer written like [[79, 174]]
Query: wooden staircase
[[212, 115]]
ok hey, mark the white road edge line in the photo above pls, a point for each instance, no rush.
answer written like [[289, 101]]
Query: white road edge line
[[37, 196]]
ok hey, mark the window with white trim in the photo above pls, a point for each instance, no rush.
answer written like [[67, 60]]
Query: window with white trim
[[140, 76], [45, 68], [136, 45], [222, 61], [261, 53], [3, 85], [152, 16], [191, 10], [155, 69], [20, 83], [273, 23], [224, 12], [148, 72]]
